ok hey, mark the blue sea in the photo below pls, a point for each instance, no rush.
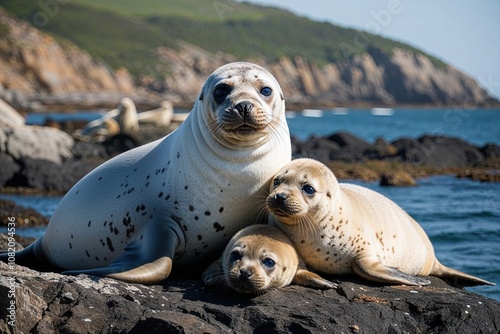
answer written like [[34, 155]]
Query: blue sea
[[461, 217]]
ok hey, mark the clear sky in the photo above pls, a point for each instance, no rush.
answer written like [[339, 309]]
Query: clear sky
[[464, 33]]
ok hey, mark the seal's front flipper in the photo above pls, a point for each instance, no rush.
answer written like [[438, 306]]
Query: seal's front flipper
[[213, 274], [307, 278], [374, 270], [147, 259]]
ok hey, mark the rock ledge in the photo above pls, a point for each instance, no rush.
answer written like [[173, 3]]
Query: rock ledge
[[49, 302]]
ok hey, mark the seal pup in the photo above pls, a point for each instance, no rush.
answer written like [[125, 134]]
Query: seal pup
[[345, 228], [179, 198], [260, 258]]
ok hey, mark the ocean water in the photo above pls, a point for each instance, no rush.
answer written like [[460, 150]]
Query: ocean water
[[461, 217]]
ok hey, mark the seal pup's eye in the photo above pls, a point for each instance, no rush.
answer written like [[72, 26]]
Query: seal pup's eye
[[220, 92], [266, 91], [269, 263], [235, 256], [308, 189], [277, 182]]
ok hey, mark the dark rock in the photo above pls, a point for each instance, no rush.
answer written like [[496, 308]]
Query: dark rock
[[9, 168], [397, 179], [317, 148], [346, 139], [380, 150], [480, 175], [491, 151], [49, 176], [351, 147], [52, 303], [120, 143], [438, 151], [85, 150]]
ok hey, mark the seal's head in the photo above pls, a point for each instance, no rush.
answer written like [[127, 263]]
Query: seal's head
[[259, 258], [302, 192], [243, 105]]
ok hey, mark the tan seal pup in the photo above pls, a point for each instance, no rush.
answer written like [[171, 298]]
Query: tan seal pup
[[178, 199], [260, 258], [345, 228]]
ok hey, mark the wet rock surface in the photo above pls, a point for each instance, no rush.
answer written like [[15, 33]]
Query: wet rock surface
[[49, 302], [24, 217], [427, 150]]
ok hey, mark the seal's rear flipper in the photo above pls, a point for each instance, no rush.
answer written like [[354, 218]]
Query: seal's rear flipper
[[455, 277], [374, 270], [148, 273], [147, 259]]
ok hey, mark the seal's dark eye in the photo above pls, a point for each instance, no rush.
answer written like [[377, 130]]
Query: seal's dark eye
[[235, 256], [308, 189], [266, 91], [277, 182], [269, 263], [220, 92]]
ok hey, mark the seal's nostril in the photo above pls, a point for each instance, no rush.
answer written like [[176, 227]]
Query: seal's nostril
[[245, 273], [244, 108], [280, 198]]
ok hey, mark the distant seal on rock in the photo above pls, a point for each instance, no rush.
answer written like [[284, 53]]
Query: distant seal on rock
[[345, 228], [180, 198], [258, 259]]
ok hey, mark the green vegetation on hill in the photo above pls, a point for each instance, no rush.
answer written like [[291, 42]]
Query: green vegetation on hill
[[199, 10], [128, 32]]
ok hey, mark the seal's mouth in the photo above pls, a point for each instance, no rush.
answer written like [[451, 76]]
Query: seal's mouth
[[245, 128], [279, 213]]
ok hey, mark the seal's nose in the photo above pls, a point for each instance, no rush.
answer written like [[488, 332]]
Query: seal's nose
[[280, 198], [244, 108], [245, 273]]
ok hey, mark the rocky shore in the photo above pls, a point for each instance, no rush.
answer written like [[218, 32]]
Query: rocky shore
[[45, 159], [52, 303], [40, 159]]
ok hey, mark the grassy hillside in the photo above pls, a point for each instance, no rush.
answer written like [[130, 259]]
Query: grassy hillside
[[127, 32], [200, 10]]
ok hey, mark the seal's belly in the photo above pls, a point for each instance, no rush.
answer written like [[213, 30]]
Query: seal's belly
[[98, 217], [326, 256]]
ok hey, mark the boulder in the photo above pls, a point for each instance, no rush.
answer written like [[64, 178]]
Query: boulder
[[352, 148], [10, 116], [36, 142], [49, 176], [317, 148], [9, 168], [491, 151], [397, 179], [438, 151], [52, 303], [380, 150]]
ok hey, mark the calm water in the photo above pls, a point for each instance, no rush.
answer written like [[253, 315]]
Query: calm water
[[461, 217]]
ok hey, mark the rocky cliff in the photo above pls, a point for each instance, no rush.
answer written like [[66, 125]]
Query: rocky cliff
[[35, 68], [34, 64], [376, 77]]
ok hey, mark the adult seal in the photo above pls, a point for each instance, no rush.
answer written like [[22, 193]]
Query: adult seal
[[179, 198], [258, 259], [345, 229]]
